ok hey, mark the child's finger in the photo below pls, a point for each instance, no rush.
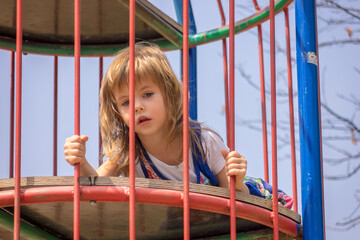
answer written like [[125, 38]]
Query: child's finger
[[84, 138], [237, 172], [73, 160], [74, 145], [77, 138], [236, 160], [74, 152], [236, 169], [224, 152], [234, 154]]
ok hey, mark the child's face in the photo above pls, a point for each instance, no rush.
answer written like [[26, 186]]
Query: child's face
[[150, 110]]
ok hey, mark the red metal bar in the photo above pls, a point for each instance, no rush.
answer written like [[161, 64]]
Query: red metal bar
[[231, 76], [263, 99], [101, 64], [291, 109], [55, 101], [150, 196], [55, 116], [101, 70], [132, 230], [12, 102], [263, 105], [18, 119], [77, 47], [231, 143], [186, 202], [273, 121], [225, 64]]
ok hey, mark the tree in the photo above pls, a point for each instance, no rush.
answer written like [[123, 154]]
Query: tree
[[340, 131]]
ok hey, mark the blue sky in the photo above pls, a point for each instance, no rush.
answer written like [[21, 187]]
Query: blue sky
[[337, 77]]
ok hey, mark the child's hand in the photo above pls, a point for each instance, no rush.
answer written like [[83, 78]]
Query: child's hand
[[236, 165], [75, 149]]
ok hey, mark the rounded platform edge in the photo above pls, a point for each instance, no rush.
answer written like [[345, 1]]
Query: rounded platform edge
[[148, 191]]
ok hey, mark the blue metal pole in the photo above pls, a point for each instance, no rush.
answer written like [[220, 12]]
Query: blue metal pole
[[192, 58], [309, 123]]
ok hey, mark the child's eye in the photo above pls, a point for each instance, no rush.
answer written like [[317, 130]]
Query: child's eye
[[125, 103], [148, 94]]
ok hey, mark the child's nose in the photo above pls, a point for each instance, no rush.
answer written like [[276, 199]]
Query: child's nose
[[139, 106]]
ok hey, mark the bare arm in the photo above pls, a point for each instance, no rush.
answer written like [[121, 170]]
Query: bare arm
[[107, 169], [75, 149]]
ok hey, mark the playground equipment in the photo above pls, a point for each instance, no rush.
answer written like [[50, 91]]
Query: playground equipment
[[43, 207]]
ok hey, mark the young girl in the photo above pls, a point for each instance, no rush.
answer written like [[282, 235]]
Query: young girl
[[158, 128]]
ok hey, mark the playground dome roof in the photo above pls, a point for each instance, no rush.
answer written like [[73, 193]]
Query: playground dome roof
[[50, 24]]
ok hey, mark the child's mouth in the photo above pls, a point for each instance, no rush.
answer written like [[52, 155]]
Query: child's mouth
[[143, 120]]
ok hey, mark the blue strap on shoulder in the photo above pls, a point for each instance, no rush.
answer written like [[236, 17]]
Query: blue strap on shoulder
[[199, 164], [147, 158]]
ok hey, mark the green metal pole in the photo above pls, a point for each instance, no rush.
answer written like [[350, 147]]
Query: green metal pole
[[27, 230], [240, 26]]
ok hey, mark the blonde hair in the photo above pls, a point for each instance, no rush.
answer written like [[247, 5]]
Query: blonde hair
[[150, 63]]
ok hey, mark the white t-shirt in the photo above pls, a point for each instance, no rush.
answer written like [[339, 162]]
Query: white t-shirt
[[215, 160]]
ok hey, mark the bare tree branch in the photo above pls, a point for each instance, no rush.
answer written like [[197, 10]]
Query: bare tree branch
[[346, 176], [345, 9], [336, 128], [351, 220], [332, 122], [339, 42], [350, 224], [324, 5], [352, 124]]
